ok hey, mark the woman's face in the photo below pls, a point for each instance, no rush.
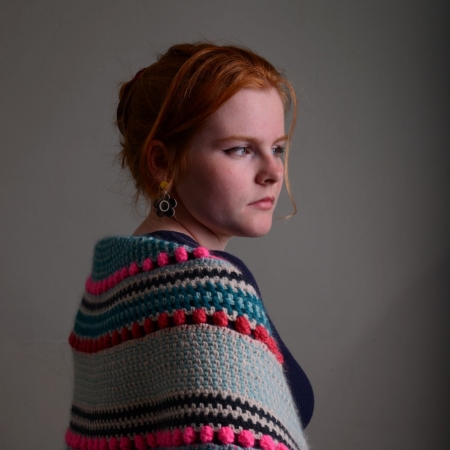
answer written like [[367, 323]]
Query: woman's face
[[235, 170]]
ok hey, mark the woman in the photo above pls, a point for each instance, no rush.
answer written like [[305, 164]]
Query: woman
[[172, 343]]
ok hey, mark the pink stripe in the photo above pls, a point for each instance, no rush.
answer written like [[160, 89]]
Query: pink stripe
[[162, 259], [175, 438]]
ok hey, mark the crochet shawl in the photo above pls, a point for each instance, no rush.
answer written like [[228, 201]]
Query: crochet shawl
[[172, 347]]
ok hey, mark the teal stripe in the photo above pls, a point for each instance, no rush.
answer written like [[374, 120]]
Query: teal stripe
[[212, 295], [217, 295], [115, 252]]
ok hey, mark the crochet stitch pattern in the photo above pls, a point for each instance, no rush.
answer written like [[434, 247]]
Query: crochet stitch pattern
[[172, 347]]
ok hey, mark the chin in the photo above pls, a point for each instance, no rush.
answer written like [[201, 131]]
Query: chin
[[258, 229]]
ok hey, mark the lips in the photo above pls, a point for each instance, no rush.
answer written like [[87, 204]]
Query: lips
[[264, 203], [264, 200]]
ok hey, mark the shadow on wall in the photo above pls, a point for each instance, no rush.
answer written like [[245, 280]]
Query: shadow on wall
[[403, 401]]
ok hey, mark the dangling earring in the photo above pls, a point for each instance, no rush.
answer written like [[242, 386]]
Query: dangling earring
[[165, 206]]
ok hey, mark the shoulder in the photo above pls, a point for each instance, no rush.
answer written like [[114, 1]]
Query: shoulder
[[116, 258], [134, 280]]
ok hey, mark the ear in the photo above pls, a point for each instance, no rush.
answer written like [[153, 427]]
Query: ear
[[157, 160]]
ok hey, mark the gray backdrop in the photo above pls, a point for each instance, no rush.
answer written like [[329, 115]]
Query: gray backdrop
[[357, 282]]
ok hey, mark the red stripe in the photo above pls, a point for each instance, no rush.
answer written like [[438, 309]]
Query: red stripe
[[137, 331]]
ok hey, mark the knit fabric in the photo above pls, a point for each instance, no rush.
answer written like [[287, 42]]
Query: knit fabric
[[172, 347], [298, 381]]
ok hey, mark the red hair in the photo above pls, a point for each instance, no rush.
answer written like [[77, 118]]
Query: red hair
[[171, 99]]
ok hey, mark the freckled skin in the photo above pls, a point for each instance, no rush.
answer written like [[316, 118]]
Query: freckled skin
[[219, 186]]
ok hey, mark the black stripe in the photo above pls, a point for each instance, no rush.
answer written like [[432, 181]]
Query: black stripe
[[131, 412], [137, 287], [140, 414]]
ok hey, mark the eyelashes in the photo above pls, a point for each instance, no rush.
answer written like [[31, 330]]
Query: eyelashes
[[279, 150], [239, 151], [242, 151]]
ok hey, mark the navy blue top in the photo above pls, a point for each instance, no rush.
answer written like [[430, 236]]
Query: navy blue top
[[298, 381]]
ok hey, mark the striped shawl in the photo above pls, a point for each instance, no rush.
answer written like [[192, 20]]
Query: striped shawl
[[172, 347]]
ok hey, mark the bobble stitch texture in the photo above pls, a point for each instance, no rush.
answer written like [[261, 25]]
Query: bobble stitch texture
[[125, 443], [116, 338], [107, 340], [199, 316], [163, 320], [147, 264], [139, 442], [267, 443], [226, 435], [151, 440], [281, 446], [164, 438], [136, 330], [246, 438], [148, 325], [181, 254], [134, 268], [125, 334], [179, 317], [242, 325], [163, 259], [201, 252], [206, 434], [76, 441], [220, 318], [189, 435], [261, 333], [124, 273], [177, 437], [113, 444]]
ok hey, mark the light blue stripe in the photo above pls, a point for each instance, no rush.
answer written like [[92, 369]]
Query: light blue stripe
[[182, 360]]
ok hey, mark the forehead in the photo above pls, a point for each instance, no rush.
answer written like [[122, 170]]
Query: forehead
[[250, 111]]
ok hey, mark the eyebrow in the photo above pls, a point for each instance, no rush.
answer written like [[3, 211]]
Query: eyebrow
[[239, 137]]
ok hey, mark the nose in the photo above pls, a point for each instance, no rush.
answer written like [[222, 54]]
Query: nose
[[270, 170]]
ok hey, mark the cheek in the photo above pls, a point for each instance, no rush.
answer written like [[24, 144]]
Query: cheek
[[213, 188], [220, 188]]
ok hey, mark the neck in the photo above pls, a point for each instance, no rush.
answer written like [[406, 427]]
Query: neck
[[183, 222]]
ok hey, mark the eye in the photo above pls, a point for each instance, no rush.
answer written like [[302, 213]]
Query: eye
[[278, 150], [239, 151]]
